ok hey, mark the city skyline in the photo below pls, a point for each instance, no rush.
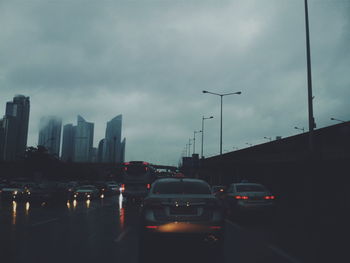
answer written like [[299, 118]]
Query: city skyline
[[151, 61]]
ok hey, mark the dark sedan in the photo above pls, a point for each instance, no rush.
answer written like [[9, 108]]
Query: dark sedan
[[181, 207]]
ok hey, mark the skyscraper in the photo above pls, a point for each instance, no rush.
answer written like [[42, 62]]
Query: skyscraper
[[122, 151], [50, 134], [68, 142], [83, 140], [100, 151], [112, 139], [2, 134], [15, 128], [111, 147]]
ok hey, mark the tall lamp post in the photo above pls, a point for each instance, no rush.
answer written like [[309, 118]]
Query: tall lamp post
[[189, 147], [221, 96], [309, 80], [203, 119], [194, 141]]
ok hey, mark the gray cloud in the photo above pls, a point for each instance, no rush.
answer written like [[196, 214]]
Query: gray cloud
[[150, 60]]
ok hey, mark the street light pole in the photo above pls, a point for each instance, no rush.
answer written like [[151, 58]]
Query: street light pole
[[221, 96], [309, 80], [189, 147], [203, 118], [194, 141]]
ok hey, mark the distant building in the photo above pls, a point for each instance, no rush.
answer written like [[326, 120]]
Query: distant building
[[68, 142], [14, 128], [122, 151], [83, 140], [113, 150], [100, 151], [94, 155], [2, 134], [50, 134]]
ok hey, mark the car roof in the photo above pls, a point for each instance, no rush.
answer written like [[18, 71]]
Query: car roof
[[246, 184], [180, 179]]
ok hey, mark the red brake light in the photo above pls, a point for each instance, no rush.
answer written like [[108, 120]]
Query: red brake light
[[245, 197], [267, 197], [272, 197], [148, 186], [122, 188], [125, 168], [126, 163], [238, 197], [151, 227], [145, 163]]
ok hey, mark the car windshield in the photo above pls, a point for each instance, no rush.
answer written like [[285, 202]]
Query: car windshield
[[181, 187], [250, 188]]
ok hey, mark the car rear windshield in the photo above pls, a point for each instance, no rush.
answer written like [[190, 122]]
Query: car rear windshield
[[250, 188], [135, 170], [181, 187]]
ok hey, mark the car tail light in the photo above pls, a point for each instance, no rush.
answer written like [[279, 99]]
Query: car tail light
[[148, 186], [239, 197], [122, 188], [151, 227], [268, 197], [125, 168]]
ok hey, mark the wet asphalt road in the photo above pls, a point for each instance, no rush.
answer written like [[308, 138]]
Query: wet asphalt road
[[104, 231]]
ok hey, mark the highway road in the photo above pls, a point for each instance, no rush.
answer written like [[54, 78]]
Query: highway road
[[102, 230]]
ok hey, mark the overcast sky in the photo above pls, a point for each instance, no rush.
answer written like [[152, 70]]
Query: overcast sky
[[150, 61]]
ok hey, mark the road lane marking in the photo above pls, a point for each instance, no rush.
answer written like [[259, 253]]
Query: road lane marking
[[283, 254], [45, 222], [122, 235], [275, 249]]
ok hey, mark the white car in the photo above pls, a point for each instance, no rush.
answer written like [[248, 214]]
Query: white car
[[249, 197]]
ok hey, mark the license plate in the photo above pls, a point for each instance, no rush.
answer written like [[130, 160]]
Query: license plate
[[183, 210]]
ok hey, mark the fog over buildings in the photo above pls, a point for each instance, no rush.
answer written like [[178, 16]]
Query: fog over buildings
[[50, 134]]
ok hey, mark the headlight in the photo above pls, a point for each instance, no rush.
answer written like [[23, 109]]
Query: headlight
[[15, 192], [88, 196]]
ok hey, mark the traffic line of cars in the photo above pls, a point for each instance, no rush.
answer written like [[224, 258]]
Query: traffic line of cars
[[57, 191], [189, 207]]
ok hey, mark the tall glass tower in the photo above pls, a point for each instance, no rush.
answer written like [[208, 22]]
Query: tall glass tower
[[50, 134], [15, 128]]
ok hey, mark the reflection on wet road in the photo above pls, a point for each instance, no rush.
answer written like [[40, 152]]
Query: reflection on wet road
[[103, 230]]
